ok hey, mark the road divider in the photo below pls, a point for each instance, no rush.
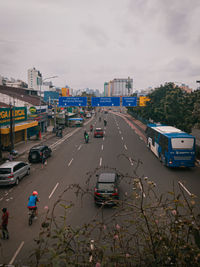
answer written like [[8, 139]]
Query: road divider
[[184, 188], [70, 162], [54, 189], [16, 253], [100, 162]]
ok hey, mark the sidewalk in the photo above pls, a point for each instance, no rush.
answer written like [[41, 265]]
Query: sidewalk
[[25, 146]]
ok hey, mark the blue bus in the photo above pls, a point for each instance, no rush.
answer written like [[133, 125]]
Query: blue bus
[[173, 147]]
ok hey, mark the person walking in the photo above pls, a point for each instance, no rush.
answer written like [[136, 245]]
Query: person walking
[[4, 224]]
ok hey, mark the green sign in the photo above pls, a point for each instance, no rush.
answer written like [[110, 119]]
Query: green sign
[[18, 113]]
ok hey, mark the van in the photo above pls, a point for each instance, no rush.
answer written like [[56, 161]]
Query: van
[[12, 172]]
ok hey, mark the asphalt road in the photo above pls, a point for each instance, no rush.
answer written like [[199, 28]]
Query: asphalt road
[[72, 162]]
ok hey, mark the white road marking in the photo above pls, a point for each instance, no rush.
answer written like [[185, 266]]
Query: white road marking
[[1, 199], [79, 147], [100, 162], [70, 162], [16, 253], [131, 161], [125, 147], [102, 147], [53, 190], [103, 138], [141, 138], [185, 188], [120, 132], [122, 137], [142, 190]]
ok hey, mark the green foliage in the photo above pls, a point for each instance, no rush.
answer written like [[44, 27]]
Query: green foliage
[[172, 106]]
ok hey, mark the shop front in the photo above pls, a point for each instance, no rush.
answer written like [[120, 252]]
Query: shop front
[[14, 126]]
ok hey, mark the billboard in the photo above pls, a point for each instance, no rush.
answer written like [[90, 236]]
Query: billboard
[[143, 100]]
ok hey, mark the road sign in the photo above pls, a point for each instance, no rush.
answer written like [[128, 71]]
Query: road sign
[[129, 101], [105, 101], [72, 101], [143, 100]]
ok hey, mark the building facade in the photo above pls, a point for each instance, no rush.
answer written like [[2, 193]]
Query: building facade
[[119, 87], [34, 79]]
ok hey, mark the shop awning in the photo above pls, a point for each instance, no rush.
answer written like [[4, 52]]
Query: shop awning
[[18, 127]]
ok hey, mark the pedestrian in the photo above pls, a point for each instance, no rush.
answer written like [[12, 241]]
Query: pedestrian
[[44, 160], [10, 157], [4, 224]]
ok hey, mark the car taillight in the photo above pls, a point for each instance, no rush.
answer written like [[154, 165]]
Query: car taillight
[[116, 192], [96, 193], [11, 175]]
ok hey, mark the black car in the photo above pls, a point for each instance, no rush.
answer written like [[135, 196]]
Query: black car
[[107, 189], [37, 153]]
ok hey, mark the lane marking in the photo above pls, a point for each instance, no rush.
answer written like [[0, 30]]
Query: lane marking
[[120, 132], [100, 162], [102, 147], [1, 199], [122, 137], [141, 138], [142, 190], [103, 138], [70, 162], [125, 147], [79, 147], [185, 188], [131, 161], [53, 190], [16, 253]]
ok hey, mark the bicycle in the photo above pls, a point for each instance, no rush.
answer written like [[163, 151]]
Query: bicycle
[[31, 216]]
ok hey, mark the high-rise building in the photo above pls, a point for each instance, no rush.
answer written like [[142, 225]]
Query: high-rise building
[[118, 87], [34, 79]]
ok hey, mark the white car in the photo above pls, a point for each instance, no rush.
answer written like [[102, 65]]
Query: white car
[[88, 115]]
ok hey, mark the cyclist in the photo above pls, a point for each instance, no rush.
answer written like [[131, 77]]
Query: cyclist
[[32, 202]]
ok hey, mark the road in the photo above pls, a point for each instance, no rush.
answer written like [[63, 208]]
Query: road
[[72, 162]]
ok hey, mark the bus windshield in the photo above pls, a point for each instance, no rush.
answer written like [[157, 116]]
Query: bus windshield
[[182, 143]]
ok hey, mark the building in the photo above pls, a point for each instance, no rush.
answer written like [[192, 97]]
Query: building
[[34, 79], [119, 87]]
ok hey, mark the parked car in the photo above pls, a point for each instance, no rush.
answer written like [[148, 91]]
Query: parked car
[[11, 172], [98, 132], [107, 189], [37, 153], [88, 115]]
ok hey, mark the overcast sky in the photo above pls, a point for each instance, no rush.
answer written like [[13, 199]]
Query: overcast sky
[[88, 42]]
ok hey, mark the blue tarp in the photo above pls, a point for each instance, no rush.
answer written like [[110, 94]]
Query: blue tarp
[[75, 119]]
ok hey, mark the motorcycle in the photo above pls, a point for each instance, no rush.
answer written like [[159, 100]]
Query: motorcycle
[[86, 139]]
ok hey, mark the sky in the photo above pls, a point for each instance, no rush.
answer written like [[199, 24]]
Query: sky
[[88, 42]]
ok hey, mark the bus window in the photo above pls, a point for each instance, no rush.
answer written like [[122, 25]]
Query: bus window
[[182, 143]]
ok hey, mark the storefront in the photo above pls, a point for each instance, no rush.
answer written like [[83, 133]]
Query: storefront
[[18, 122]]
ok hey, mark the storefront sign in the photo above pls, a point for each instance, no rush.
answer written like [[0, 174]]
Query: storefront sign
[[18, 113]]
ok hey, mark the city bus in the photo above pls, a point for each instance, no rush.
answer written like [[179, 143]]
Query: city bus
[[173, 147]]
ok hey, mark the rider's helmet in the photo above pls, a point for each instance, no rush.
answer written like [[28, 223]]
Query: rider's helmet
[[35, 193]]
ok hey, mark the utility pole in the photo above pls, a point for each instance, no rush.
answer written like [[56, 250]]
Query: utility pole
[[11, 129], [55, 115]]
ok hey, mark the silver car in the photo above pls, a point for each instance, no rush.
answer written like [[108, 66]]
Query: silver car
[[12, 172]]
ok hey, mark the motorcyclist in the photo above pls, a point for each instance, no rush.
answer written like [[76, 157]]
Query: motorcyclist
[[32, 202], [105, 122], [99, 119], [91, 128]]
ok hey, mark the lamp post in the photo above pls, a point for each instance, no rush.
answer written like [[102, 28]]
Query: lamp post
[[198, 82], [41, 82]]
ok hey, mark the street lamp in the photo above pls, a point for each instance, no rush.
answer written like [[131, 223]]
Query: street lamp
[[197, 82], [41, 82]]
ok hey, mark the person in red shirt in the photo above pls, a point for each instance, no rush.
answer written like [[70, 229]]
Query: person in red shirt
[[4, 223]]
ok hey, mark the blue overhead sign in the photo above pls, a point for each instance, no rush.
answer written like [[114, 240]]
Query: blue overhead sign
[[105, 101], [72, 101], [129, 101]]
